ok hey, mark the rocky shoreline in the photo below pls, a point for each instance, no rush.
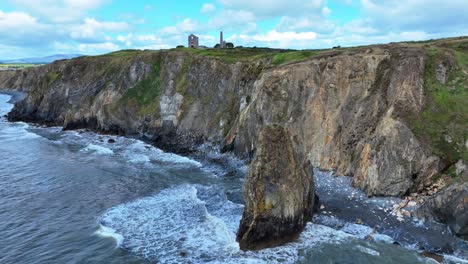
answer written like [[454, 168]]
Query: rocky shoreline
[[371, 216], [352, 110]]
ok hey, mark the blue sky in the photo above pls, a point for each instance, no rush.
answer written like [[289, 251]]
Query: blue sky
[[30, 28]]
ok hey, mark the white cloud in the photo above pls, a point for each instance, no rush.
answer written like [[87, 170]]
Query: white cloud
[[311, 23], [207, 8], [98, 48], [274, 7], [229, 19], [58, 10], [16, 21], [186, 26], [274, 38], [19, 28], [359, 26], [326, 11], [412, 15], [83, 4], [92, 29]]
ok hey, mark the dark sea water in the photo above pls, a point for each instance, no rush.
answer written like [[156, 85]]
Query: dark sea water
[[74, 197]]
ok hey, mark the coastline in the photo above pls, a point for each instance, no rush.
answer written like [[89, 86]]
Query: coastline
[[344, 208]]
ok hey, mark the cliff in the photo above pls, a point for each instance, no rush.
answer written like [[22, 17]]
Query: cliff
[[392, 116]]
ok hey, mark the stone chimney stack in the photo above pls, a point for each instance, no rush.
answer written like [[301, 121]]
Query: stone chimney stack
[[221, 41]]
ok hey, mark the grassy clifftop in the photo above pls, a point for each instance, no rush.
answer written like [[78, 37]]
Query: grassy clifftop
[[276, 56]]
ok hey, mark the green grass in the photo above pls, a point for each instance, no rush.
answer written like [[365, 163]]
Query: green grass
[[121, 53], [292, 56], [462, 59], [234, 55], [52, 76], [18, 65], [181, 78], [145, 95], [277, 56], [446, 113]]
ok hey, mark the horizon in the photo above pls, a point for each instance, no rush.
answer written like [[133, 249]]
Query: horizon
[[48, 27]]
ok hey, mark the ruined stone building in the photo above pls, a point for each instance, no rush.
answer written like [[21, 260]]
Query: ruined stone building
[[192, 41]]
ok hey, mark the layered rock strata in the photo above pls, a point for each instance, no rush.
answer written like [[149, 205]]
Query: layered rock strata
[[278, 192]]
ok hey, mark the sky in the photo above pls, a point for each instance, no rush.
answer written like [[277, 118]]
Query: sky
[[36, 28]]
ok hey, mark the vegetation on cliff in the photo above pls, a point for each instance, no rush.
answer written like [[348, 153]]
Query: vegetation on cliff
[[443, 123], [145, 94]]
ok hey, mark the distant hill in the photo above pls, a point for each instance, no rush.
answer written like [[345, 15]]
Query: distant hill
[[47, 59]]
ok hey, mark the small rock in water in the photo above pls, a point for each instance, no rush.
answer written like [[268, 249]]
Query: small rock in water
[[406, 213], [433, 256], [111, 141]]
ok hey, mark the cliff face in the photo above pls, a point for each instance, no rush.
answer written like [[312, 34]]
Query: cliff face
[[346, 108], [352, 109], [450, 206]]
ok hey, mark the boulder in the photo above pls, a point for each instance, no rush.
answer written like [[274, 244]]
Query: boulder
[[278, 192], [449, 206]]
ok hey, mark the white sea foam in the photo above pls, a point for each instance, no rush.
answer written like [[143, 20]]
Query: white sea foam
[[5, 107], [382, 238], [100, 150], [192, 223], [105, 231], [359, 231], [162, 156], [169, 224], [367, 250], [138, 151], [454, 260], [17, 131], [139, 158]]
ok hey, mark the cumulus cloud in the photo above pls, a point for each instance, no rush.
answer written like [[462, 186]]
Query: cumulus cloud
[[93, 30], [207, 8], [358, 26], [16, 21], [431, 16], [18, 28], [58, 10], [185, 26], [326, 11], [274, 7], [311, 23], [276, 39], [98, 48], [22, 30], [231, 19]]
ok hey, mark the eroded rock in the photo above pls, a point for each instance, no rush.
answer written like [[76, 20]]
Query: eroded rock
[[278, 192], [449, 206]]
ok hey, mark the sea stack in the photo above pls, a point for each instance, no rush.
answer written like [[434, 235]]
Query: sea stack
[[278, 192]]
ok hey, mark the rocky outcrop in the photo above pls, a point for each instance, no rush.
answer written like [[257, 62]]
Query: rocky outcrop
[[278, 192], [449, 206], [389, 157]]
